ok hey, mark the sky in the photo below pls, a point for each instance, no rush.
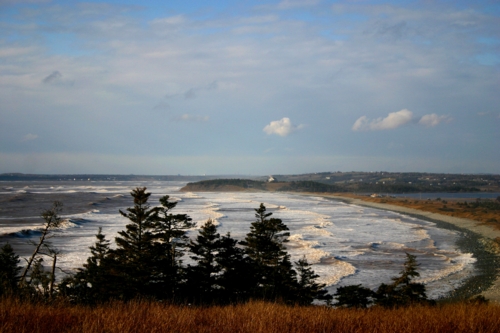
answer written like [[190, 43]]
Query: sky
[[249, 87]]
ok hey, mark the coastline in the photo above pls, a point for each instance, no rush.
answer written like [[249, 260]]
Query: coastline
[[476, 238]]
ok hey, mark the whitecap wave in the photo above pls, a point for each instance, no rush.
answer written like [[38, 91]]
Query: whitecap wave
[[453, 266]]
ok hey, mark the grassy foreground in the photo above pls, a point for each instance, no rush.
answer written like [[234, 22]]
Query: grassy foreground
[[141, 316]]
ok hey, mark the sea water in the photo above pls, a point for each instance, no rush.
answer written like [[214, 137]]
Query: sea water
[[347, 244]]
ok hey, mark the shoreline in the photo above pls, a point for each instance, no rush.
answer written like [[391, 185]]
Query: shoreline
[[476, 238]]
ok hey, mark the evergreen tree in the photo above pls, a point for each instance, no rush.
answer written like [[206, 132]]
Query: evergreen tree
[[170, 232], [354, 296], [203, 277], [9, 270], [95, 282], [134, 254], [39, 280], [273, 269], [307, 287], [237, 277], [403, 291]]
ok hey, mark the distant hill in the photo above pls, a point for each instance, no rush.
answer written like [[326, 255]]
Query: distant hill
[[384, 186], [234, 185]]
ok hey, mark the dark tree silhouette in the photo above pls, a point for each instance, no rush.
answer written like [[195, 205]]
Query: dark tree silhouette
[[9, 270], [353, 296], [134, 247], [276, 278], [203, 278], [403, 291], [52, 220], [96, 282], [171, 244], [307, 288]]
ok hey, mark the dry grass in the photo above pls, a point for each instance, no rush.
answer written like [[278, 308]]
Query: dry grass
[[16, 316], [450, 208]]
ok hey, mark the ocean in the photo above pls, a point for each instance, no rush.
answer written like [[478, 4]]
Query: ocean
[[347, 244]]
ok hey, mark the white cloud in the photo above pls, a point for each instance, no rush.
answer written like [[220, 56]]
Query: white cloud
[[392, 121], [281, 127], [192, 118], [431, 120], [29, 137]]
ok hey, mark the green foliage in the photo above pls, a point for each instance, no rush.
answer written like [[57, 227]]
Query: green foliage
[[171, 242], [203, 278], [236, 279], [9, 270], [354, 296], [310, 186], [97, 281], [134, 247], [265, 247], [307, 288], [403, 291]]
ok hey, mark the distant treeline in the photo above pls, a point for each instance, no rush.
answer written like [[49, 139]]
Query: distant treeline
[[411, 188], [309, 186], [319, 187]]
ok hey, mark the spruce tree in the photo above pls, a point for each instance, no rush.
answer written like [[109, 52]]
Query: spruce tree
[[203, 277], [9, 270], [273, 269], [307, 288], [237, 276], [354, 296], [134, 252], [403, 291], [170, 233], [95, 282]]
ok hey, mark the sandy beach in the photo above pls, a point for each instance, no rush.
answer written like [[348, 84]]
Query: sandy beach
[[485, 234]]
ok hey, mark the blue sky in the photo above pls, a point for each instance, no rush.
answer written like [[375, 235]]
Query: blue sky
[[249, 87]]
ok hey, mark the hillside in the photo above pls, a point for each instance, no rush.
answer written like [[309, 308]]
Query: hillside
[[237, 185]]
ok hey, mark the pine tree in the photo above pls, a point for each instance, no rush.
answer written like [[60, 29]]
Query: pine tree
[[237, 278], [134, 253], [95, 282], [203, 277], [9, 270], [170, 233], [307, 288], [354, 296], [403, 291], [265, 246]]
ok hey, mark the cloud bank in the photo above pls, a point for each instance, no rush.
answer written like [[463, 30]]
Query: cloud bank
[[431, 120], [392, 121], [397, 119]]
